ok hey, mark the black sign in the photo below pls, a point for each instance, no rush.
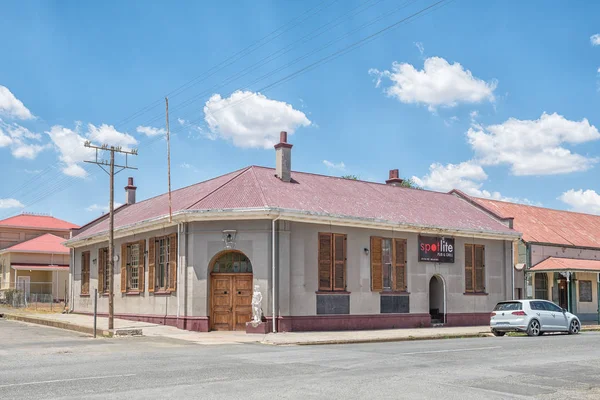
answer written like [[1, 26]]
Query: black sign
[[435, 249]]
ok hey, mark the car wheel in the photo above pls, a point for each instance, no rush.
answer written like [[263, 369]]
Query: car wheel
[[497, 333], [534, 328], [574, 327]]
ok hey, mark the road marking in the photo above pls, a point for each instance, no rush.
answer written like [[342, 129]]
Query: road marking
[[67, 380], [449, 351]]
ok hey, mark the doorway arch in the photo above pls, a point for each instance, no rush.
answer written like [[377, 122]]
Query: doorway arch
[[230, 289], [437, 299]]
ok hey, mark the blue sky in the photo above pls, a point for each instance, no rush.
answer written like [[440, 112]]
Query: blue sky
[[499, 99]]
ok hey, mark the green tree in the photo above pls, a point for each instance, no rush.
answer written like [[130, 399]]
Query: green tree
[[352, 177], [410, 183]]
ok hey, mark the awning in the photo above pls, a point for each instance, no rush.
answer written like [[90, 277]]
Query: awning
[[39, 267], [555, 264]]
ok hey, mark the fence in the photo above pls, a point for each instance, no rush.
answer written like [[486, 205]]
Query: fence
[[34, 295]]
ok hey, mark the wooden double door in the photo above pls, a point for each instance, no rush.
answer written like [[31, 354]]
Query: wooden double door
[[230, 301]]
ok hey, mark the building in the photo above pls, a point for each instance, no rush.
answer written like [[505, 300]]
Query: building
[[33, 258], [558, 256], [326, 253]]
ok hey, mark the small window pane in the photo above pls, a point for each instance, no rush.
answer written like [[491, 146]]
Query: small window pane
[[386, 255], [232, 262]]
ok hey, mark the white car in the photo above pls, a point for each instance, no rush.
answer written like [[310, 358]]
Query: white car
[[535, 317]]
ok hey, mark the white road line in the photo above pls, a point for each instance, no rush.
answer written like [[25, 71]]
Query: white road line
[[449, 351], [67, 380]]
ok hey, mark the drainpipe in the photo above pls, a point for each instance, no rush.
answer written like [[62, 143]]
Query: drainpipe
[[179, 267], [273, 274], [598, 298], [512, 269], [71, 300], [568, 291]]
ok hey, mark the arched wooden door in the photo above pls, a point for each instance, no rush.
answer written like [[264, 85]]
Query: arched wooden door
[[230, 292]]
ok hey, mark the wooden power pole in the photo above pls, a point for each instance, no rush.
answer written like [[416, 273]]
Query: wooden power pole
[[111, 224], [169, 160]]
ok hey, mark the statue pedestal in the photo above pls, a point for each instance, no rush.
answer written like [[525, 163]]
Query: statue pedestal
[[257, 327]]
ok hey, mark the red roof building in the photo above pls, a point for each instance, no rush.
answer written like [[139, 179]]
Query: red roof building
[[32, 221], [48, 243]]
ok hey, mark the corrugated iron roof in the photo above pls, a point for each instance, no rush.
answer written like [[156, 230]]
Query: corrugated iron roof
[[47, 243], [567, 264], [546, 225], [258, 187], [37, 222]]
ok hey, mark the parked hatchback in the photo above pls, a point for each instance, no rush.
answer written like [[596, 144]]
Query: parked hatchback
[[535, 317]]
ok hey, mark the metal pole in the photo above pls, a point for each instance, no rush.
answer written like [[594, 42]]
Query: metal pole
[[568, 291], [111, 237], [598, 298], [95, 309]]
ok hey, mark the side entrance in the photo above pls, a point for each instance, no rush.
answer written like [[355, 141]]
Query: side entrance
[[231, 292]]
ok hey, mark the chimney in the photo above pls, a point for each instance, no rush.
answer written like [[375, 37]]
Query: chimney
[[283, 158], [130, 191], [395, 179]]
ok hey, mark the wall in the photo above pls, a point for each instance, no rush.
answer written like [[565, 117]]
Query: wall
[[303, 281], [540, 252]]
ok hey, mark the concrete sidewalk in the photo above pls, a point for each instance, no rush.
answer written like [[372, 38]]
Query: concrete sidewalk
[[84, 324]]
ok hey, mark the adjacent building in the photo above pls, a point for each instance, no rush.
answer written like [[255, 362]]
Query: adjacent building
[[33, 258], [326, 253], [558, 256]]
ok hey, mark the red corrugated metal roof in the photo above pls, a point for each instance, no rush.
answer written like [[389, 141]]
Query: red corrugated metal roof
[[258, 187], [37, 222], [39, 267], [567, 264], [47, 243], [545, 225]]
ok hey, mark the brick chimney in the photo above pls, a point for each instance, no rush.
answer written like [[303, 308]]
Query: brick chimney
[[130, 191], [395, 179], [283, 158]]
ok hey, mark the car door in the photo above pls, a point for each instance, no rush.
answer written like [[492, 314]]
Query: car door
[[559, 318], [543, 316]]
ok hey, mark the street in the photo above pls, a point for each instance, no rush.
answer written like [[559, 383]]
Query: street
[[47, 363]]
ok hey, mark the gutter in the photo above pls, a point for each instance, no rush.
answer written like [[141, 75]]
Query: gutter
[[290, 215]]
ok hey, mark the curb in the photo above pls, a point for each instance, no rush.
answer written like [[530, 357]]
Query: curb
[[379, 340], [58, 324]]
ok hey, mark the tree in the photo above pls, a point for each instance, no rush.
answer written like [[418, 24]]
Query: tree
[[351, 177], [410, 183]]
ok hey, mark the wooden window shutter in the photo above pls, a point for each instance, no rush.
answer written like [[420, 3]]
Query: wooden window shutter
[[151, 257], [85, 273], [141, 269], [173, 262], [101, 261], [325, 261], [399, 272], [124, 259], [339, 262], [468, 267], [376, 267], [479, 268]]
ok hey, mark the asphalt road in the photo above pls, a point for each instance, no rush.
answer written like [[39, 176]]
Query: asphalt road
[[46, 363]]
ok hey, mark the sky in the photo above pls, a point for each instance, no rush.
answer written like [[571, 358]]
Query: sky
[[499, 99]]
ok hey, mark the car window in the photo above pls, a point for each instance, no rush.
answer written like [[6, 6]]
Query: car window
[[552, 307], [537, 305], [508, 306]]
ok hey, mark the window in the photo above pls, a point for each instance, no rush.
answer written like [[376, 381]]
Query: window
[[537, 305], [133, 262], [332, 262], [232, 261], [388, 264], [103, 270], [552, 307], [132, 267], [541, 286], [508, 306], [162, 264], [585, 291], [85, 273], [474, 268]]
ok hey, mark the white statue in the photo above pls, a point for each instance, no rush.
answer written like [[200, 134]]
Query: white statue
[[256, 303]]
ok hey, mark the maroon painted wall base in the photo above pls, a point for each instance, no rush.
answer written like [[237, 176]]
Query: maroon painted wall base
[[198, 324]]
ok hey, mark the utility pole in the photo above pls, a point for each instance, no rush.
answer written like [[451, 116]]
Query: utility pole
[[169, 160], [111, 224]]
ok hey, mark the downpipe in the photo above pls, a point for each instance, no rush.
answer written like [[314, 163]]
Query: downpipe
[[273, 313]]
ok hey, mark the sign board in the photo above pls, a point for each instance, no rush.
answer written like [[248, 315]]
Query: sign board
[[435, 249]]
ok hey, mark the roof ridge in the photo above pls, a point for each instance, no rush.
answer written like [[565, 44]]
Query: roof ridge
[[242, 171], [534, 206], [260, 189]]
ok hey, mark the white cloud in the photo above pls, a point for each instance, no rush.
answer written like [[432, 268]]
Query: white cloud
[[32, 171], [587, 201], [467, 177], [11, 106], [10, 203], [150, 131], [534, 147], [251, 120], [438, 84], [474, 114], [420, 47], [339, 166], [18, 138], [75, 170], [28, 151], [104, 209], [595, 39], [69, 144], [5, 140], [181, 121], [107, 134], [185, 165]]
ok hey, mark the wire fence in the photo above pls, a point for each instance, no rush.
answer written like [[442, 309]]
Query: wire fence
[[41, 296]]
